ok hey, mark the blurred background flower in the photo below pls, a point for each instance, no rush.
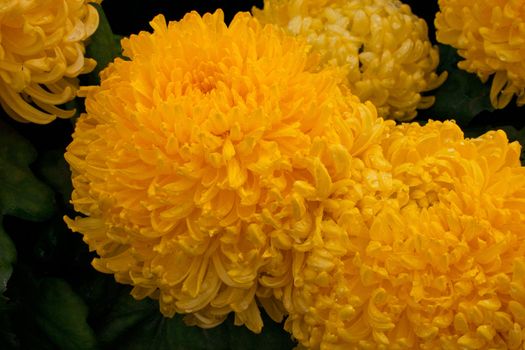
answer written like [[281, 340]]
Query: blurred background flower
[[382, 46], [490, 37], [41, 55]]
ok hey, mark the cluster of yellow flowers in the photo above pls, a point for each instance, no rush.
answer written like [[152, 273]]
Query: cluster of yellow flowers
[[41, 54], [383, 48], [490, 36], [223, 168], [220, 170]]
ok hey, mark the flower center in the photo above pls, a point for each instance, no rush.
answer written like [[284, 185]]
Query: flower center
[[204, 76]]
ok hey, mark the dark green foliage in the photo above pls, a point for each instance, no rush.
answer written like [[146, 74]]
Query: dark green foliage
[[462, 96], [103, 46]]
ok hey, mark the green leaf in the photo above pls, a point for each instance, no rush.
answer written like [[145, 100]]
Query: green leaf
[[272, 337], [103, 46], [7, 259], [133, 324], [139, 325], [47, 314], [62, 315], [8, 338], [54, 170], [462, 96], [21, 194]]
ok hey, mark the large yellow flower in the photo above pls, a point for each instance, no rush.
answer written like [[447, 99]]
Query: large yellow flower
[[41, 54], [383, 47], [434, 258], [490, 36], [210, 155]]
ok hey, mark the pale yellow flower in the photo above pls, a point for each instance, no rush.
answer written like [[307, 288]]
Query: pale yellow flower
[[383, 47], [490, 37], [41, 54], [434, 257], [208, 157]]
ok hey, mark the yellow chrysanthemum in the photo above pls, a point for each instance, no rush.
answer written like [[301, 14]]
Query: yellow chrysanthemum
[[207, 157], [490, 36], [381, 44], [41, 54], [434, 259]]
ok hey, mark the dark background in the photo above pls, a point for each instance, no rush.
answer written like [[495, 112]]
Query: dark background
[[131, 16]]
